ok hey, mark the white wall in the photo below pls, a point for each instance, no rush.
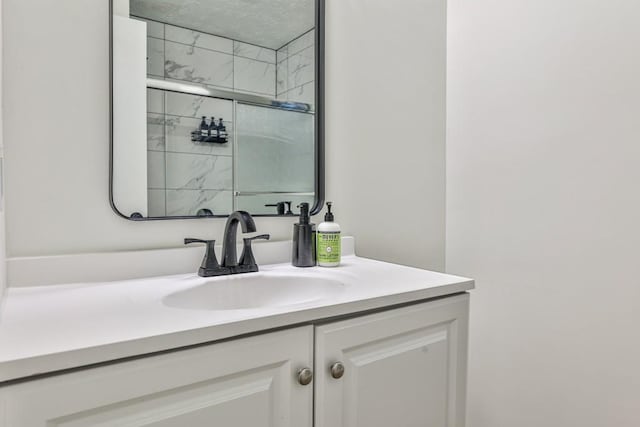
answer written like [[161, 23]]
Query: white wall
[[57, 138], [3, 266], [543, 207], [386, 70], [385, 132]]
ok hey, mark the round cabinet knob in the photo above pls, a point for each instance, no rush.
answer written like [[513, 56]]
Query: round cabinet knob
[[305, 376], [337, 370]]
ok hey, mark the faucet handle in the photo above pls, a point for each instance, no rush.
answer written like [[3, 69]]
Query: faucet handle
[[189, 240], [209, 265], [247, 259], [259, 237]]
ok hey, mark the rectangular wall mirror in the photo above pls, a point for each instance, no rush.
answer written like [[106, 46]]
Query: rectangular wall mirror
[[216, 106]]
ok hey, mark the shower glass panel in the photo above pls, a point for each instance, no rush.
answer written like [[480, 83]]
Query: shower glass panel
[[275, 158]]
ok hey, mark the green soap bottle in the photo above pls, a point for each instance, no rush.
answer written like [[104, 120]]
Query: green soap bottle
[[328, 241]]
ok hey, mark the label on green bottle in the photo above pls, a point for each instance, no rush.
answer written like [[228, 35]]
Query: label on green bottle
[[328, 250]]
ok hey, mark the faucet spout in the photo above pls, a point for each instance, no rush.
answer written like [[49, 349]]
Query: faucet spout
[[229, 252]]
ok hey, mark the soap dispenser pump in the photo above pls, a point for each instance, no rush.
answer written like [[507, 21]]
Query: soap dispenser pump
[[304, 245]]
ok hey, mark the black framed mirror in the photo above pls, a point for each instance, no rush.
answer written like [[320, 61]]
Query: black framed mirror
[[216, 106]]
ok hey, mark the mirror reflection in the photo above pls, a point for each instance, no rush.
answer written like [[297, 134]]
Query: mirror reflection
[[214, 107]]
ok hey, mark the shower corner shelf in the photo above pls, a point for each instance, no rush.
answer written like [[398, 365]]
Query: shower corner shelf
[[196, 137]]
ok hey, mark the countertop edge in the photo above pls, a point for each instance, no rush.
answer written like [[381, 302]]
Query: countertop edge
[[26, 369]]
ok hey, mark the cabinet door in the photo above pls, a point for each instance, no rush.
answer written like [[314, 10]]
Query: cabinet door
[[250, 382], [404, 367]]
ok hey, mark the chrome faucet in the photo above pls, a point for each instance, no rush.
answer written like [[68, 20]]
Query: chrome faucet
[[230, 263]]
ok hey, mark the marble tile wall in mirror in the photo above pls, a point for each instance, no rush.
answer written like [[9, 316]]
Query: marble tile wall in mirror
[[273, 159]]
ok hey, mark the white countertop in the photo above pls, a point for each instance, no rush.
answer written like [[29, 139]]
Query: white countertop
[[49, 328]]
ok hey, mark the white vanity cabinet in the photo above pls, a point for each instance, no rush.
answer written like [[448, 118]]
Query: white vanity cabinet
[[403, 367], [244, 382]]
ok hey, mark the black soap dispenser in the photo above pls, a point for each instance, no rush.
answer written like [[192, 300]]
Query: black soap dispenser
[[304, 240]]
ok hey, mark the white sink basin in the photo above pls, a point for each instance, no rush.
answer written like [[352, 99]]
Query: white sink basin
[[253, 291]]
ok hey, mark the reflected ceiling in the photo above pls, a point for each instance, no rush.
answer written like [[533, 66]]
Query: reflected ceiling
[[267, 23]]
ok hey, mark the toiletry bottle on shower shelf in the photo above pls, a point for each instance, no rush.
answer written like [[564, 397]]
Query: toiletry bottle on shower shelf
[[204, 129], [328, 241], [222, 131], [213, 131]]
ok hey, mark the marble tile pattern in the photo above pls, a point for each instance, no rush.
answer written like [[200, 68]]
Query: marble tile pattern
[[295, 70], [155, 57], [304, 41], [282, 54], [155, 101], [301, 68], [305, 93], [182, 54], [198, 65], [184, 176], [155, 29], [155, 132], [254, 76], [188, 202], [251, 51], [185, 105], [156, 170], [254, 69], [198, 39], [199, 175], [198, 172], [282, 77]]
